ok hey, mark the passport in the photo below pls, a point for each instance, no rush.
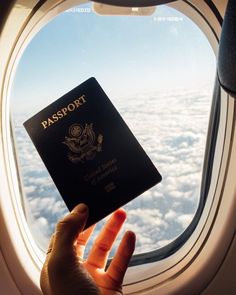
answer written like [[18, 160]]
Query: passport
[[90, 152]]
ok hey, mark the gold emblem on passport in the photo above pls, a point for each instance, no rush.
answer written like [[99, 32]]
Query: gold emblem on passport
[[82, 142]]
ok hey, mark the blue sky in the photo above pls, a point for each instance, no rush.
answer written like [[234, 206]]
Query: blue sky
[[127, 55]]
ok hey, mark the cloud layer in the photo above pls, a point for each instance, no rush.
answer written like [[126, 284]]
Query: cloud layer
[[171, 127]]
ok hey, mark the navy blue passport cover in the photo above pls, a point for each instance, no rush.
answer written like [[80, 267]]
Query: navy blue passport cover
[[89, 151]]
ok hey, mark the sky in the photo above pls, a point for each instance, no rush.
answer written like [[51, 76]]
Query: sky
[[159, 73], [126, 54]]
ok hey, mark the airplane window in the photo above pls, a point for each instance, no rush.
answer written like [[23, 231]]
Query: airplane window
[[158, 70]]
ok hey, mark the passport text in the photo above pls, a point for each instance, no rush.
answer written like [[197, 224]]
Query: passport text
[[64, 112]]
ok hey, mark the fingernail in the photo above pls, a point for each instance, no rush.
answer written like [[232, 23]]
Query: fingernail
[[80, 209]]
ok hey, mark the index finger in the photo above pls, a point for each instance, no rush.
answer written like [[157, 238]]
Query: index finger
[[82, 240]]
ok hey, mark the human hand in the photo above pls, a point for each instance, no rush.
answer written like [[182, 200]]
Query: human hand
[[65, 271]]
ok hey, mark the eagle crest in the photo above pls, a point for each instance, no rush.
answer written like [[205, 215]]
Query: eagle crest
[[82, 142]]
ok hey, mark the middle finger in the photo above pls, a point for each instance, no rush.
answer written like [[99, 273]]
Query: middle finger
[[103, 243]]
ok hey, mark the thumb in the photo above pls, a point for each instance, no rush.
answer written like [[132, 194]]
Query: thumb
[[65, 274], [68, 229]]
